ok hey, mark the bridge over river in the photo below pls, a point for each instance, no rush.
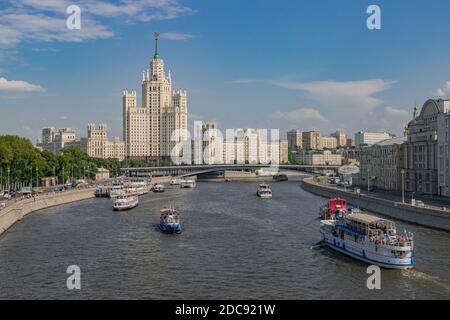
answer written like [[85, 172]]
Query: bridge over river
[[192, 170]]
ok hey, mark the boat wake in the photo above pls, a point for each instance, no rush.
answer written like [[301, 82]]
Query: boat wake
[[318, 245], [418, 275]]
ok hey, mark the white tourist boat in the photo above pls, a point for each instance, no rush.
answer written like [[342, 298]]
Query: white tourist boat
[[139, 187], [370, 239], [158, 188], [188, 183], [125, 203], [264, 191], [175, 182], [116, 190]]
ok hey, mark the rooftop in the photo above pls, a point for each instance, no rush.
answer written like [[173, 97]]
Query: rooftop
[[364, 218]]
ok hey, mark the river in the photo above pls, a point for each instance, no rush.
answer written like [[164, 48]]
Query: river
[[234, 245]]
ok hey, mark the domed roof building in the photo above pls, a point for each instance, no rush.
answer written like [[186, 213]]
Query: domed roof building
[[421, 148]]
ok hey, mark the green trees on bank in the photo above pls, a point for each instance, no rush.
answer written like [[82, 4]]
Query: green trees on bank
[[22, 164]]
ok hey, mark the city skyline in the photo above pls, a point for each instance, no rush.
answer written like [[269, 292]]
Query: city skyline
[[305, 79]]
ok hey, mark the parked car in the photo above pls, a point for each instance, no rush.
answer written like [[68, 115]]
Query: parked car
[[420, 203]]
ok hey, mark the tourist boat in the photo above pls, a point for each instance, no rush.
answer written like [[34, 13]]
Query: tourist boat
[[139, 187], [101, 192], [264, 191], [175, 182], [125, 202], [370, 239], [280, 177], [158, 188], [116, 190], [188, 183], [334, 209], [170, 221]]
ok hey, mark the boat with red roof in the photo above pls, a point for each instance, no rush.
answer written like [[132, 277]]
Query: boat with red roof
[[334, 209]]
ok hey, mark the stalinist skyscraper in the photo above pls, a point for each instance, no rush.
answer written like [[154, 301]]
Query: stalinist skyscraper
[[156, 130]]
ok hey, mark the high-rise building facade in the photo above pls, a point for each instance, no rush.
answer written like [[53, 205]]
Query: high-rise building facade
[[294, 138], [158, 129], [341, 138], [311, 140]]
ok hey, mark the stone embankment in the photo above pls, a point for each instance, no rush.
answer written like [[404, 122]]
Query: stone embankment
[[16, 211], [426, 216]]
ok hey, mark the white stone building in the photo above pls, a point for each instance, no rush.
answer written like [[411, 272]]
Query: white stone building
[[421, 148], [369, 138]]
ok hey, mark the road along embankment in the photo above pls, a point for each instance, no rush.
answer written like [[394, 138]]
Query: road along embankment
[[426, 216], [18, 210]]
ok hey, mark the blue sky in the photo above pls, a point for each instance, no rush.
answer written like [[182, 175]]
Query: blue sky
[[264, 64]]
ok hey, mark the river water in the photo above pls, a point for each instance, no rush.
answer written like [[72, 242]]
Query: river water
[[234, 245]]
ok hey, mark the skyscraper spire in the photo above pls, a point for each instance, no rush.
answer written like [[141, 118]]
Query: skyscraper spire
[[156, 56]]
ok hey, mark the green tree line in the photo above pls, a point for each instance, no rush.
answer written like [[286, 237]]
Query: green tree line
[[21, 163]]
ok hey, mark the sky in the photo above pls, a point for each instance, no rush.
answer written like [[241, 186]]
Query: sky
[[281, 64]]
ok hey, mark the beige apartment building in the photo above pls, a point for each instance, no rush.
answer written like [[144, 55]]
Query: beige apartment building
[[328, 143], [320, 158], [158, 129], [341, 138], [311, 140], [99, 146], [284, 151]]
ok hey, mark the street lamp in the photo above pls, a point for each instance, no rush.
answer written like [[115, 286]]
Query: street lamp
[[9, 187], [403, 185]]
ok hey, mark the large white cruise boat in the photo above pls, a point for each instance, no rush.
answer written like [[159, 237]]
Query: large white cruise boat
[[125, 203], [370, 239]]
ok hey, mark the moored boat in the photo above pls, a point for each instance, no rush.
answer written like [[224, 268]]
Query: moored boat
[[125, 203], [170, 221], [370, 239], [175, 182], [139, 187], [334, 209], [264, 191], [101, 192], [188, 184], [280, 177]]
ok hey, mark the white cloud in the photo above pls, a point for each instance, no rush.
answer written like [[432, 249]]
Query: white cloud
[[45, 20], [444, 91], [18, 85], [301, 115], [176, 36], [347, 94], [393, 112]]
